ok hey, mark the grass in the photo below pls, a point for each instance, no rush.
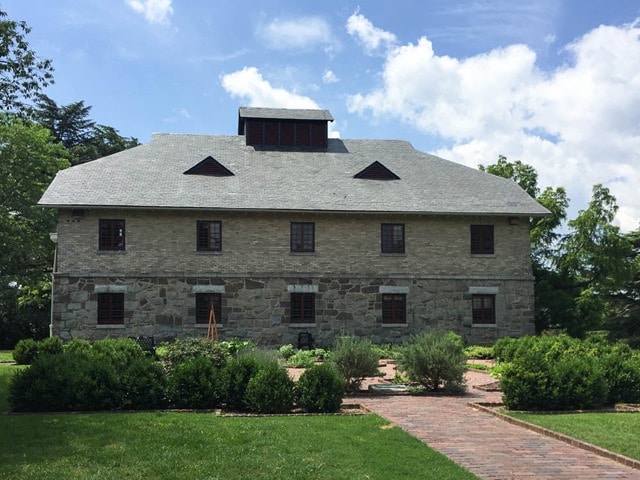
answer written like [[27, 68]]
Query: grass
[[478, 366], [617, 432], [6, 356], [179, 446]]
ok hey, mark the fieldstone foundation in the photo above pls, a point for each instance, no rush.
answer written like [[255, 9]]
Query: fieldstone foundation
[[258, 308]]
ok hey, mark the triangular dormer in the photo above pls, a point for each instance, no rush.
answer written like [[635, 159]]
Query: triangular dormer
[[376, 171], [284, 128], [209, 167]]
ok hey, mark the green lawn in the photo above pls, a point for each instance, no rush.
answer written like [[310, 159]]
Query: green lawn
[[198, 446], [617, 432], [6, 356]]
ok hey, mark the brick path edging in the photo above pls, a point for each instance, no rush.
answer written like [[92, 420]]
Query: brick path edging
[[491, 409]]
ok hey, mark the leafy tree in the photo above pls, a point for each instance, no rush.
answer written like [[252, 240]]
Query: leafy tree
[[103, 141], [29, 158], [576, 273], [22, 74], [521, 173], [71, 125], [624, 316], [543, 229]]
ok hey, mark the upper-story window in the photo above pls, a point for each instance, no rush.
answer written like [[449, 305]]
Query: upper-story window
[[209, 238], [110, 308], [482, 241], [392, 238], [302, 237], [111, 235]]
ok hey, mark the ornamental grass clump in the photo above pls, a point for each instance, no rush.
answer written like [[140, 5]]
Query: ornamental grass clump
[[436, 360]]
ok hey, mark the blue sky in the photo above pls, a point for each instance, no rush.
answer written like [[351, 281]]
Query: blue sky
[[553, 83]]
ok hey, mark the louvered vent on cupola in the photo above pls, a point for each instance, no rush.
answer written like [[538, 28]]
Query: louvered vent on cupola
[[276, 128], [376, 171], [210, 167]]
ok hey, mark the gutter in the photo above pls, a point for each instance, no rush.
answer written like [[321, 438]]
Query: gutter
[[54, 238]]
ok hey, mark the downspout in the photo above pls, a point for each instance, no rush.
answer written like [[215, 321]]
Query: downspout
[[54, 238]]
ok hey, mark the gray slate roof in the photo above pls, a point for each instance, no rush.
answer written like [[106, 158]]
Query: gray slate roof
[[285, 113], [152, 176]]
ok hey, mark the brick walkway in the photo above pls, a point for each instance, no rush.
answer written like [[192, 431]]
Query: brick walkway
[[487, 446]]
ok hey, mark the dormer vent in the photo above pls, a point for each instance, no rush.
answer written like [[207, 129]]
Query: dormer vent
[[376, 171], [209, 167]]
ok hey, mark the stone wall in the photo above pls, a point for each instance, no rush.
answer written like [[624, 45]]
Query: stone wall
[[258, 308], [258, 243], [160, 273]]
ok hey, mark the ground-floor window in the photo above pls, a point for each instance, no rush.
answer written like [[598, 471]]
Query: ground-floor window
[[303, 307], [484, 309], [394, 308], [110, 308], [205, 303]]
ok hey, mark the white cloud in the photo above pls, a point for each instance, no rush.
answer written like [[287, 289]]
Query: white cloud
[[371, 37], [249, 85], [155, 11], [298, 33], [577, 125], [329, 77]]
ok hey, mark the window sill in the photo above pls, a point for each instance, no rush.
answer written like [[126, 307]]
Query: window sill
[[484, 325], [392, 254], [110, 326], [394, 325], [208, 252], [483, 255], [111, 252], [302, 325], [206, 325], [303, 254]]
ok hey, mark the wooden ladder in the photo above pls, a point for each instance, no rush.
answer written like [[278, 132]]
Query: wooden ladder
[[212, 332]]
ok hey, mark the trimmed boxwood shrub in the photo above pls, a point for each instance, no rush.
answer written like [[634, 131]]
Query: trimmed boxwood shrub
[[237, 374], [108, 375], [571, 382], [563, 373], [77, 345], [118, 351], [49, 346], [622, 371], [66, 382], [435, 359], [320, 389], [195, 383], [143, 384], [355, 359], [270, 390], [27, 350]]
